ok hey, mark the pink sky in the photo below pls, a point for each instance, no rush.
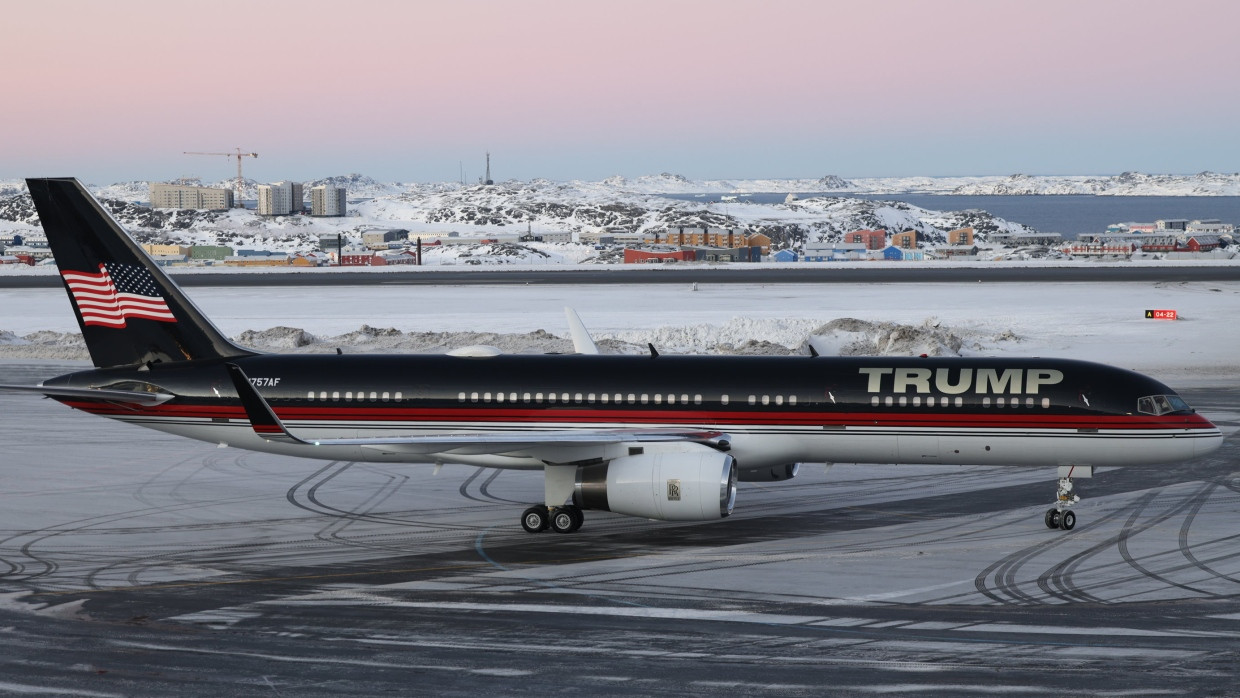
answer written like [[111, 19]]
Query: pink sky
[[565, 90]]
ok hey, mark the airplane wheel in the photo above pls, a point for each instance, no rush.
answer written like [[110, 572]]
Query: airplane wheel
[[567, 519], [1052, 518], [535, 519], [1068, 521]]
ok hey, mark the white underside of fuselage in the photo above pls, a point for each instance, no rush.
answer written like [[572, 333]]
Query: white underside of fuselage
[[753, 447]]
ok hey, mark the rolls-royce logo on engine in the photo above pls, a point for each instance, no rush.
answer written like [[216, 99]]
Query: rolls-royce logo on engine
[[673, 490]]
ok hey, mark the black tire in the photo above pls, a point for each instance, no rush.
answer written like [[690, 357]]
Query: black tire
[[1068, 521], [1052, 518], [567, 519], [535, 519]]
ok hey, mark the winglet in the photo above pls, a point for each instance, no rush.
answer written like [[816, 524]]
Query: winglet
[[262, 418], [583, 343]]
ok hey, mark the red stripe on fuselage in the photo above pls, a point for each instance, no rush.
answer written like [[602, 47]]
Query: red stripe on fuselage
[[697, 416]]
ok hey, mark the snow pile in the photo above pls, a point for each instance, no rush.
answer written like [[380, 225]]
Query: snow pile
[[44, 344], [739, 336], [853, 337], [276, 339]]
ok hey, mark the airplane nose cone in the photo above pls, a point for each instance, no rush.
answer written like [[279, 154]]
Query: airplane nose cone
[[1209, 441]]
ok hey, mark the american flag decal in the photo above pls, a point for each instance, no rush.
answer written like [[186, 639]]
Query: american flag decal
[[117, 292]]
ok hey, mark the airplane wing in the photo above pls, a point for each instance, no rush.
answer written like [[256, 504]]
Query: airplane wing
[[267, 425], [127, 397]]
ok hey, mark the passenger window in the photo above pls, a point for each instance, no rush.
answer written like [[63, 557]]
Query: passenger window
[[723, 400], [697, 399], [310, 395], [398, 396], [386, 395]]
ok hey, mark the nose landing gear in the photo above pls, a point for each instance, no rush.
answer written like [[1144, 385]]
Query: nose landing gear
[[1062, 516]]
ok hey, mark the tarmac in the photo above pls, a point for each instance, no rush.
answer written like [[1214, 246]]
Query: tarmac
[[135, 563]]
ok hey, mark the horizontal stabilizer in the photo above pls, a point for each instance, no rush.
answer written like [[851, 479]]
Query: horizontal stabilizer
[[263, 419], [128, 397]]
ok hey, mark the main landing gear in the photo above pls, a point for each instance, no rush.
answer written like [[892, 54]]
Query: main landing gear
[[1062, 516], [558, 484], [565, 519]]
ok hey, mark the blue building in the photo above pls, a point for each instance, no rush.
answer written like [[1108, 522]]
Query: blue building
[[897, 254]]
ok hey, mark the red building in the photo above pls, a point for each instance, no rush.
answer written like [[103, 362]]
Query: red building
[[657, 257], [358, 258], [1200, 243], [872, 239]]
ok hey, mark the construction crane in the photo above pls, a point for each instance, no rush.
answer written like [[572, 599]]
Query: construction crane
[[240, 181]]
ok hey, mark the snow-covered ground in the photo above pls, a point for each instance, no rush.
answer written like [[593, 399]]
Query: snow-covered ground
[[1095, 321]]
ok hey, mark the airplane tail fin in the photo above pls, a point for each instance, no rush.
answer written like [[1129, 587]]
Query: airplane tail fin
[[130, 312]]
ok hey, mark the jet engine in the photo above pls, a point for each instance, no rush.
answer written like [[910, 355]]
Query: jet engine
[[677, 486]]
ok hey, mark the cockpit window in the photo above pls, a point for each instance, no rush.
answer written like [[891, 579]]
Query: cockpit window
[[1162, 404]]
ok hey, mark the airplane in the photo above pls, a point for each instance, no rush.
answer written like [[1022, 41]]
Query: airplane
[[657, 436]]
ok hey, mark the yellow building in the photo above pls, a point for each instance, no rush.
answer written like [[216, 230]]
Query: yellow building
[[154, 250]]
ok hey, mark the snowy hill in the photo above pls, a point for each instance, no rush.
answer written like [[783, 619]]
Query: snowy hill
[[1126, 184]]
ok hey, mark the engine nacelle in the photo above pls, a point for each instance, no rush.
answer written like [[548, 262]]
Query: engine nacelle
[[678, 486], [772, 474]]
